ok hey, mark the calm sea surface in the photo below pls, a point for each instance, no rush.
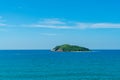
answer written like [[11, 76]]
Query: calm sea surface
[[47, 65]]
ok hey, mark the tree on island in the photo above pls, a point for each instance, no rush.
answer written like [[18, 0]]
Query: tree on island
[[69, 48]]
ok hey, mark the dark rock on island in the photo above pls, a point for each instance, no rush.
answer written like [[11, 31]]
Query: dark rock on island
[[69, 48]]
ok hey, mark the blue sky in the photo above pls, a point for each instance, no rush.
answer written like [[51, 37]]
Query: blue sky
[[43, 24]]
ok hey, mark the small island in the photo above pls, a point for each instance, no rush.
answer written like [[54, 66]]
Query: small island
[[69, 48]]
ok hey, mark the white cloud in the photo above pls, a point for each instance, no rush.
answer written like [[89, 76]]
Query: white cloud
[[98, 25], [50, 26], [56, 23], [51, 23], [105, 25]]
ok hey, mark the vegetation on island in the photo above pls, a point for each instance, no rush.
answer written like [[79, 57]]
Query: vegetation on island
[[69, 48]]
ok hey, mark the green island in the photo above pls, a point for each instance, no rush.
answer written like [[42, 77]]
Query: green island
[[69, 48]]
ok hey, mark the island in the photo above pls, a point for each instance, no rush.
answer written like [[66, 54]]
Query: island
[[69, 48]]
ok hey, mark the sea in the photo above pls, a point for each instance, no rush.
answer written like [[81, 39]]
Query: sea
[[48, 65]]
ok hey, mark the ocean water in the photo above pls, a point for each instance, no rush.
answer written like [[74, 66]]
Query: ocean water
[[47, 65]]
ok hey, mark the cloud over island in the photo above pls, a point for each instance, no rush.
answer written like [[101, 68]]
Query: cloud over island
[[56, 23]]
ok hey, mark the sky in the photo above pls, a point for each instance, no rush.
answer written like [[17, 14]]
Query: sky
[[43, 24]]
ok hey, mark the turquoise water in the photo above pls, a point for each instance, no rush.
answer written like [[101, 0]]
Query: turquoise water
[[47, 65]]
